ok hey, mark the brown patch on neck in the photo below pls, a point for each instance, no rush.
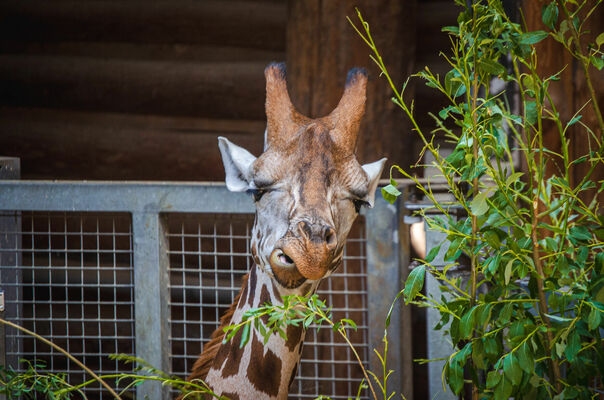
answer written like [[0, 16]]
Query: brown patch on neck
[[210, 350], [265, 298], [294, 336], [252, 287], [264, 370]]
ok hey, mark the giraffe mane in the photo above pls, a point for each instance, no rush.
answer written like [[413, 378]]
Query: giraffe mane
[[210, 350]]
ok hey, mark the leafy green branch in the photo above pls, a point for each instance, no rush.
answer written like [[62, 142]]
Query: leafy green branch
[[535, 241]]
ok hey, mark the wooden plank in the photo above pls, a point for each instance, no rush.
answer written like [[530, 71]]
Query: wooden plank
[[143, 51], [80, 145], [254, 24], [217, 90]]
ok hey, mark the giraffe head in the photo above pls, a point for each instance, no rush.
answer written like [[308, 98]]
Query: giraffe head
[[308, 185]]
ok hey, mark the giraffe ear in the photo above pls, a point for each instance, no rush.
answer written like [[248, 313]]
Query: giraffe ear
[[237, 165], [373, 171]]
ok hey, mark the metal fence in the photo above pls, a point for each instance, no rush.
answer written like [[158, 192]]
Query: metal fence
[[147, 269]]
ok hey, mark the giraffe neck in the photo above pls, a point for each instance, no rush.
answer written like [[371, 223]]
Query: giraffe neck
[[257, 370]]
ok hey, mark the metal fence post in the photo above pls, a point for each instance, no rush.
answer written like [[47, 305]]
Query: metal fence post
[[10, 255], [385, 266], [437, 344], [151, 297]]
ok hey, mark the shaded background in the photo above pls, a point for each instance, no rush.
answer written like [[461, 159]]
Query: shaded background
[[139, 90], [110, 89]]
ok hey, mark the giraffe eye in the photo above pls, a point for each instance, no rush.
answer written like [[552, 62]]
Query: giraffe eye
[[358, 204], [256, 193]]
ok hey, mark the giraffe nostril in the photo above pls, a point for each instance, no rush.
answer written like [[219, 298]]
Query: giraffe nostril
[[330, 238]]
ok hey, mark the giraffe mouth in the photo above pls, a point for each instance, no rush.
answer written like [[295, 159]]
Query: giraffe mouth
[[285, 270], [280, 259]]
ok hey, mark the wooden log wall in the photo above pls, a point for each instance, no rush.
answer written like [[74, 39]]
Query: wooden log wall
[[570, 93], [133, 90], [140, 90]]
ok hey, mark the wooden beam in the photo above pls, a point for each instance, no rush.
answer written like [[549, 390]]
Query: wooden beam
[[143, 51], [56, 144], [216, 90], [139, 21]]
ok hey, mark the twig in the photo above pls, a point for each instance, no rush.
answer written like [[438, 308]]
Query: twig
[[60, 349]]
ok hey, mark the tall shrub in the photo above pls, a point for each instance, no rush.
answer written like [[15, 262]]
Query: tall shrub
[[535, 240]]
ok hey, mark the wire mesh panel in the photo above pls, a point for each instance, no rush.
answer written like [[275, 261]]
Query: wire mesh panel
[[209, 255], [69, 278], [328, 365]]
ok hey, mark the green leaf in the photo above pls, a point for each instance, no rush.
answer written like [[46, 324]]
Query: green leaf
[[504, 389], [493, 378], [513, 178], [558, 318], [245, 335], [597, 62], [600, 295], [530, 112], [508, 271], [549, 15], [479, 204], [506, 313], [483, 315], [580, 233], [453, 84], [432, 253], [573, 345], [491, 66], [574, 120], [600, 39], [444, 113], [415, 282], [466, 325], [511, 369], [560, 349], [569, 393], [594, 318], [600, 262], [455, 377], [478, 354], [452, 29], [525, 359], [532, 37], [390, 193], [492, 239]]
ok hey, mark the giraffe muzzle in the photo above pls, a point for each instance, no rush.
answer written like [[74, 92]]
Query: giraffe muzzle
[[306, 252], [285, 270]]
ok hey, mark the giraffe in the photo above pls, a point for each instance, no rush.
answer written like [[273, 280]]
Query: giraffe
[[308, 188]]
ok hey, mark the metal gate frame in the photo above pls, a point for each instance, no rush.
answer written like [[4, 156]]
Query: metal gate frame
[[387, 256]]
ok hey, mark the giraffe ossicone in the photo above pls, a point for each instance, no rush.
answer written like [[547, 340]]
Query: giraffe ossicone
[[308, 188]]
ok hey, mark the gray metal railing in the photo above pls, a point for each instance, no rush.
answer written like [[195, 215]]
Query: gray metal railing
[[149, 206]]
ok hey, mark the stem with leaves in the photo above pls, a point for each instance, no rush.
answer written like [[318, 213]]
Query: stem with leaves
[[66, 354]]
